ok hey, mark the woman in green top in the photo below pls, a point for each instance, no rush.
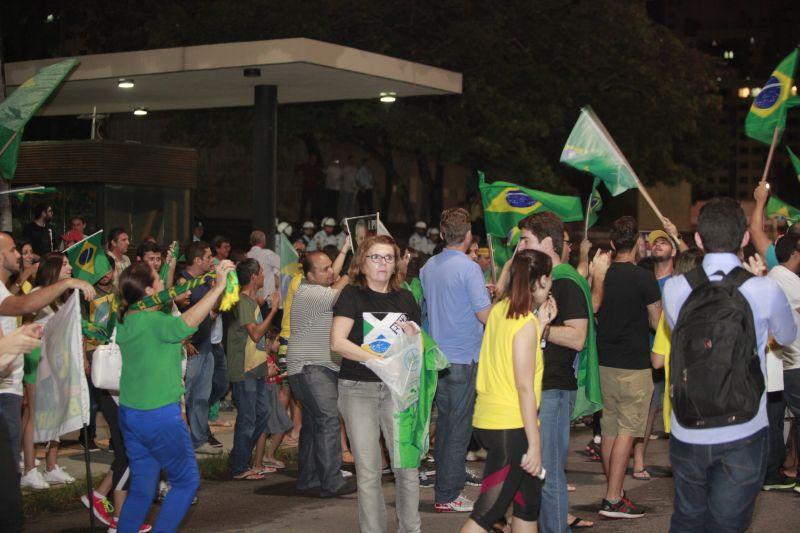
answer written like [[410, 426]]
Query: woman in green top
[[155, 434]]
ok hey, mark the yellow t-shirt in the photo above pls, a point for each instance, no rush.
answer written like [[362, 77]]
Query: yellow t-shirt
[[497, 406], [662, 346], [287, 304]]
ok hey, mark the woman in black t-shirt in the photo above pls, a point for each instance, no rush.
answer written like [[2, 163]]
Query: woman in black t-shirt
[[369, 314]]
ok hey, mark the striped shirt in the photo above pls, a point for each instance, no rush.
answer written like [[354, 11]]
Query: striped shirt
[[311, 320]]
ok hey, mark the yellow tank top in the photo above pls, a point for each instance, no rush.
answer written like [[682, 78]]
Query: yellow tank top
[[497, 406]]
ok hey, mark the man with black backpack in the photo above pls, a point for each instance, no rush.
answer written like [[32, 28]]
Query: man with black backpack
[[720, 317]]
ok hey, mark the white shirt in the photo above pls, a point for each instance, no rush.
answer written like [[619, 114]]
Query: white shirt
[[421, 243], [364, 178], [349, 179], [790, 285], [333, 177], [271, 263], [322, 239], [12, 383]]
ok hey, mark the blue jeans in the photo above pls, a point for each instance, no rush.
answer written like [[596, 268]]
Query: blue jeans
[[320, 448], [554, 415], [157, 439], [791, 394], [250, 396], [11, 411], [716, 485], [455, 401], [219, 380], [199, 374]]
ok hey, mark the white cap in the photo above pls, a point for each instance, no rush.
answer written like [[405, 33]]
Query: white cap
[[421, 225], [328, 221], [433, 230], [285, 228], [308, 225]]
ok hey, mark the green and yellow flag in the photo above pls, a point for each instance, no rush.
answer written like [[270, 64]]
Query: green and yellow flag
[[24, 102], [289, 256], [795, 163], [768, 111], [87, 258], [595, 204], [778, 208], [505, 204], [591, 149]]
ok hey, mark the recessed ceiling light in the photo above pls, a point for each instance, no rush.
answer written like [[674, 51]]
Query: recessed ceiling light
[[140, 111], [252, 72], [125, 83], [388, 97]]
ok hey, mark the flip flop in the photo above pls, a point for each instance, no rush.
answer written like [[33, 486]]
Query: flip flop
[[273, 463], [641, 475], [576, 523], [570, 488], [250, 475]]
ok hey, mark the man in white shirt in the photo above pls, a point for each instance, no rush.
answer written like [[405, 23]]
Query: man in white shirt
[[347, 191], [327, 236], [333, 181], [365, 182], [419, 241], [269, 261]]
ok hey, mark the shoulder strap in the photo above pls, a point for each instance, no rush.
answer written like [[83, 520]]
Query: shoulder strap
[[114, 336], [696, 277], [738, 276]]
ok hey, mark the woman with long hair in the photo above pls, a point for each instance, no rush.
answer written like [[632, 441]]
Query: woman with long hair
[[370, 313], [509, 386], [155, 434], [54, 267]]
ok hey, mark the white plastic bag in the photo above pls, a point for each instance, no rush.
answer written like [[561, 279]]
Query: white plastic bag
[[400, 369], [107, 365]]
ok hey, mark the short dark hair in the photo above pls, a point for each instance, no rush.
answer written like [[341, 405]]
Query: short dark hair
[[196, 250], [624, 233], [39, 209], [786, 246], [721, 225], [245, 271], [218, 241], [77, 218], [307, 261], [454, 225], [114, 234], [147, 246], [544, 225]]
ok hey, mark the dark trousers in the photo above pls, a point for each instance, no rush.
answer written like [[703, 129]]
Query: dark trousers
[[365, 202], [320, 448], [250, 396], [219, 381], [330, 203], [10, 495], [791, 394], [776, 409], [716, 485]]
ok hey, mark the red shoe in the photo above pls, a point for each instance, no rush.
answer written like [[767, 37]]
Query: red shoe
[[145, 528], [101, 508]]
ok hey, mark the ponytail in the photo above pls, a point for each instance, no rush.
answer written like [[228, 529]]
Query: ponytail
[[132, 284], [527, 269]]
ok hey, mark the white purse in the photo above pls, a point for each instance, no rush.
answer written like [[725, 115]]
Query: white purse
[[107, 365]]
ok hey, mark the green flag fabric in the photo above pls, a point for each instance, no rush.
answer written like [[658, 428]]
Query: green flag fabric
[[505, 204], [87, 258], [778, 208], [17, 110], [595, 203], [768, 111], [24, 192], [591, 149], [289, 256], [589, 399], [502, 251], [164, 272], [795, 163]]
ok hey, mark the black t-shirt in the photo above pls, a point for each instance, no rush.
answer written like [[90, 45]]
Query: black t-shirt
[[41, 238], [558, 370], [378, 319], [202, 337], [623, 326]]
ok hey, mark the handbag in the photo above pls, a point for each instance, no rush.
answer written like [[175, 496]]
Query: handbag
[[107, 365]]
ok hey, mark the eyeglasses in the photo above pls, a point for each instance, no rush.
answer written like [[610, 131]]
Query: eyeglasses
[[567, 242], [377, 258]]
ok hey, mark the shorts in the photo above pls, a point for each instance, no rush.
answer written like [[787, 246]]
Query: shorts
[[31, 366], [626, 401], [278, 420], [504, 480]]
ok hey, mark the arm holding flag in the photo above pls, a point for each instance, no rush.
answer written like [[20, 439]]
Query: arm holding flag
[[30, 303], [758, 236], [198, 312]]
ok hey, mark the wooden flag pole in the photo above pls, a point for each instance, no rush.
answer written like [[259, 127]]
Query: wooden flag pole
[[649, 200], [771, 153], [588, 207], [491, 256]]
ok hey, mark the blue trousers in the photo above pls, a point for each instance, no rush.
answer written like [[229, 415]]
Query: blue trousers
[[250, 396], [157, 439], [199, 376], [219, 380], [554, 413]]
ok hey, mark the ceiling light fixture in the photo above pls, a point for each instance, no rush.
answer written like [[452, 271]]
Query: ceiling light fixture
[[140, 111], [125, 83], [252, 72], [388, 97]]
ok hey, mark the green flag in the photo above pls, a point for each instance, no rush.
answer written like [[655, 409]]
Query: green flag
[[795, 163], [778, 208], [501, 250], [505, 204], [289, 256], [164, 272], [23, 192], [591, 149], [87, 258], [768, 111], [17, 110], [595, 204]]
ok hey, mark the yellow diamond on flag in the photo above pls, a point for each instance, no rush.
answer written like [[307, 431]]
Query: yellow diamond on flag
[[86, 257], [514, 200]]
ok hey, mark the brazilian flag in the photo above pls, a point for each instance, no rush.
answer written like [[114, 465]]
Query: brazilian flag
[[288, 255], [595, 203], [505, 204], [87, 258], [777, 208], [768, 112]]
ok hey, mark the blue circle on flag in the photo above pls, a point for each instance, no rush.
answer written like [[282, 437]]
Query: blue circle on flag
[[379, 346], [86, 256], [769, 94], [519, 199]]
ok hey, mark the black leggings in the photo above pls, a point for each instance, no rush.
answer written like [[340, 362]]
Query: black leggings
[[121, 479], [504, 480]]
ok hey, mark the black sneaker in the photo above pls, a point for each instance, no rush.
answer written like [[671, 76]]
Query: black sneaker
[[473, 478], [214, 442], [426, 481], [348, 487], [622, 509], [782, 483]]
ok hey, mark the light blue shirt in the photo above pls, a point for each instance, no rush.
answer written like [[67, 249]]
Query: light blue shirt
[[772, 316], [455, 290]]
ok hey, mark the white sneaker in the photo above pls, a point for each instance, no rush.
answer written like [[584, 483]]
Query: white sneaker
[[346, 474], [36, 462], [33, 480], [58, 476], [459, 505]]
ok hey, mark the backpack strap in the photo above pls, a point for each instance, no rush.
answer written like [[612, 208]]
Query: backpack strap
[[738, 276], [696, 277]]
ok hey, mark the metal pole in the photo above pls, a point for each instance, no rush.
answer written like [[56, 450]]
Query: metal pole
[[265, 123]]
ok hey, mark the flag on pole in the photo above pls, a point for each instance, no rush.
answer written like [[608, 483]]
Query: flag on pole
[[595, 204], [62, 394], [164, 272], [505, 204], [87, 258], [768, 111], [795, 163], [591, 149], [17, 110], [289, 256], [778, 208]]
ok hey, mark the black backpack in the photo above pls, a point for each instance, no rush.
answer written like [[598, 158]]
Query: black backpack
[[715, 372]]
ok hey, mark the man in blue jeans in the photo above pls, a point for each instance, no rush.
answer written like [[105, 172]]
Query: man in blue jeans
[[719, 471], [565, 337], [458, 306]]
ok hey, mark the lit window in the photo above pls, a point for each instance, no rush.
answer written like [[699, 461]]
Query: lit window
[[744, 92], [728, 54]]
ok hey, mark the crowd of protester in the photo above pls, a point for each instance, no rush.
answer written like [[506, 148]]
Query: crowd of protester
[[292, 355]]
